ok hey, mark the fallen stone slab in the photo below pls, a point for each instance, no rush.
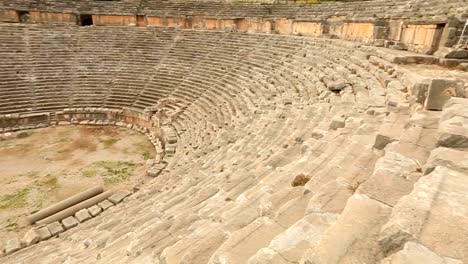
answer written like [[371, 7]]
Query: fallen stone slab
[[434, 214], [414, 253], [31, 237]]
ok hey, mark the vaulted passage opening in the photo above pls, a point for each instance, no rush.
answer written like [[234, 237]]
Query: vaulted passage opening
[[86, 20], [23, 16]]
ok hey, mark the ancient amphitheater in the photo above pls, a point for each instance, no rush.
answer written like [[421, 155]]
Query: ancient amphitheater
[[317, 133]]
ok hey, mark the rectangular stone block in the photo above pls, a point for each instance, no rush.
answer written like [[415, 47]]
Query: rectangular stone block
[[94, 210], [82, 215], [440, 90], [12, 245], [55, 228], [118, 197], [105, 204], [43, 233], [69, 222]]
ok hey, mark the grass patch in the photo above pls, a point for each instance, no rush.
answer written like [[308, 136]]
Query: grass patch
[[143, 148], [147, 155], [108, 142], [4, 143], [11, 226], [91, 172], [24, 134], [49, 182], [14, 200], [84, 143], [112, 172]]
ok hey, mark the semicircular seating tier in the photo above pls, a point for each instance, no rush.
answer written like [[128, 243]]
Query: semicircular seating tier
[[279, 145]]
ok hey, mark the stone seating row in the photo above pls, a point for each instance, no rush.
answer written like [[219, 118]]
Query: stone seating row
[[360, 9], [284, 137]]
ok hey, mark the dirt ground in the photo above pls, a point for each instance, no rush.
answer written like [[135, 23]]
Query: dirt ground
[[44, 166]]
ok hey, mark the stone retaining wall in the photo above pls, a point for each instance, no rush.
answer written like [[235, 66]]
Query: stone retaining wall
[[423, 37]]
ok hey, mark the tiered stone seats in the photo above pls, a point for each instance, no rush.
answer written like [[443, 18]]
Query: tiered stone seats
[[274, 145], [415, 9]]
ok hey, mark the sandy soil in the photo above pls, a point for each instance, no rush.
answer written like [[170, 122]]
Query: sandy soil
[[43, 166]]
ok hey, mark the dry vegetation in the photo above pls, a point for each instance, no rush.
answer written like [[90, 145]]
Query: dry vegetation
[[111, 171]]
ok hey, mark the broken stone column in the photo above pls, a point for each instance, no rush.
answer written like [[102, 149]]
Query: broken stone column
[[64, 204], [75, 208]]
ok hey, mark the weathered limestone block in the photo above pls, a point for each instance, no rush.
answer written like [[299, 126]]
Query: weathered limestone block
[[55, 228], [440, 91], [12, 245], [353, 238], [417, 85], [291, 243], [172, 139], [31, 237], [453, 129], [414, 253], [106, 204], [450, 158], [426, 119], [455, 106], [381, 141], [435, 214], [170, 149], [94, 210], [245, 242], [393, 177], [451, 53], [338, 122], [69, 222], [336, 85], [119, 196], [82, 215], [155, 170], [453, 133], [43, 233]]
